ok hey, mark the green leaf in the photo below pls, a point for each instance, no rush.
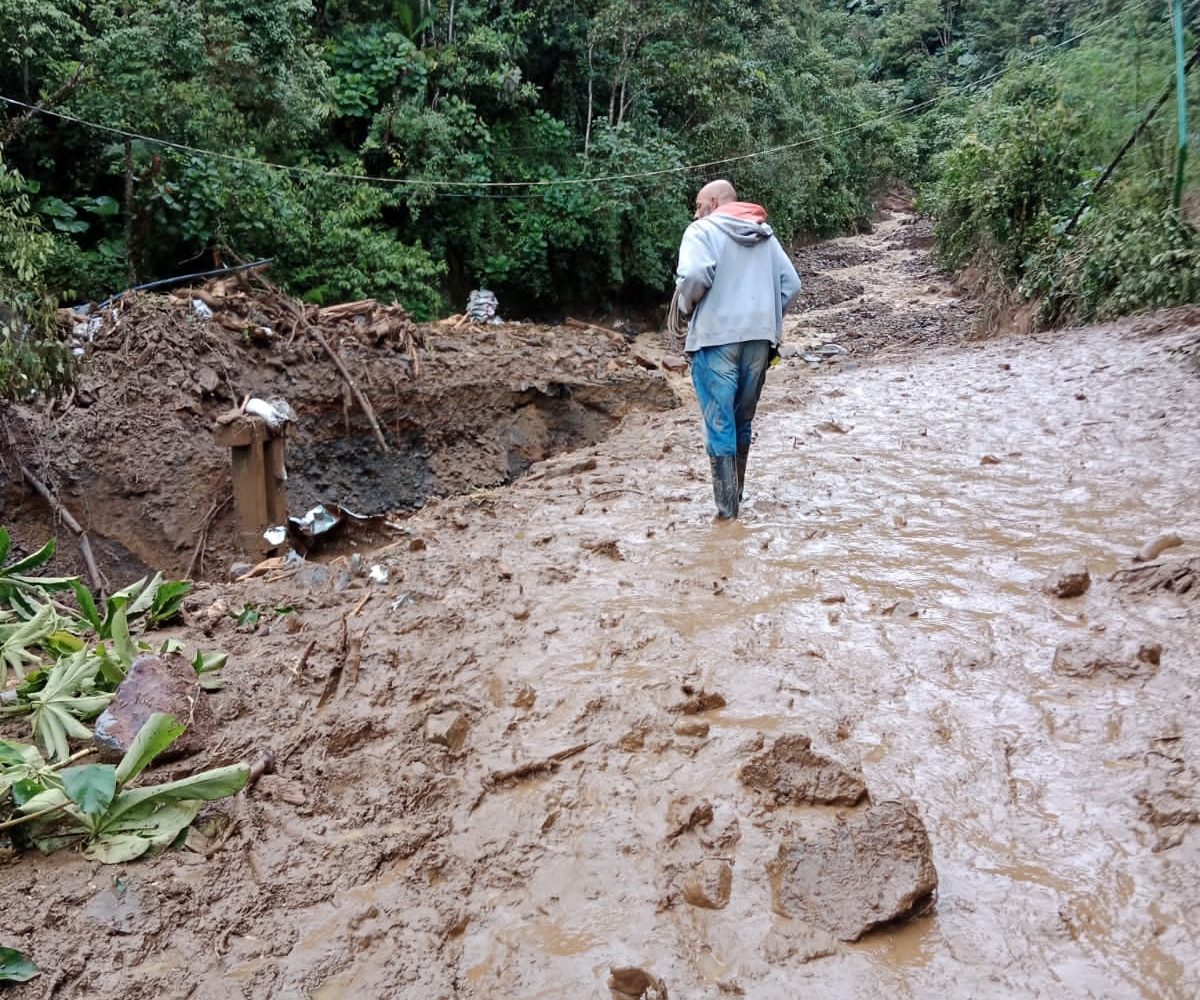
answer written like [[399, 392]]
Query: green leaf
[[117, 848], [139, 830], [122, 643], [55, 208], [14, 754], [157, 733], [43, 582], [145, 598], [101, 205], [249, 615], [87, 605], [15, 967], [5, 541], [42, 555], [91, 786], [168, 599], [24, 790], [218, 783], [206, 663]]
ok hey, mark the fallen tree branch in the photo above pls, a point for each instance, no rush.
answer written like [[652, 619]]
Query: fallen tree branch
[[85, 547], [515, 775], [359, 396], [613, 335]]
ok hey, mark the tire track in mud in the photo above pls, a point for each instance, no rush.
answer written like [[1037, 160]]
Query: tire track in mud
[[577, 619]]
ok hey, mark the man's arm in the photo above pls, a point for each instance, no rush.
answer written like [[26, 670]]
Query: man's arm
[[789, 280], [697, 266]]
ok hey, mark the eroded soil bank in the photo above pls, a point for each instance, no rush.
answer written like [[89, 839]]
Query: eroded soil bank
[[132, 451], [882, 597]]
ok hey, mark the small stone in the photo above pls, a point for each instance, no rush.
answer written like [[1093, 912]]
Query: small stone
[[417, 545], [156, 683], [903, 609], [1089, 657], [675, 363], [238, 570], [835, 598], [449, 729], [1072, 580], [1152, 550], [645, 362], [700, 701], [207, 379], [709, 884], [989, 460], [691, 727], [633, 741], [636, 983], [272, 786], [686, 813], [788, 351]]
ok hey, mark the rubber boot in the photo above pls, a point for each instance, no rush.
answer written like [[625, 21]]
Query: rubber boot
[[725, 485], [742, 455]]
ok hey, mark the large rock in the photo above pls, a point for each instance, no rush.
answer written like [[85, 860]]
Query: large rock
[[792, 773], [156, 683], [1089, 657], [871, 868]]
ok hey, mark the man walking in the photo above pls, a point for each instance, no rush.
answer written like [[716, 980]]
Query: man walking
[[734, 282]]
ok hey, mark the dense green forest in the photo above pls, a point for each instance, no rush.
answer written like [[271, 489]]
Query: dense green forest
[[549, 149]]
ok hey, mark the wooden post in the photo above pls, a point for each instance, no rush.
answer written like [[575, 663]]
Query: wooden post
[[259, 489]]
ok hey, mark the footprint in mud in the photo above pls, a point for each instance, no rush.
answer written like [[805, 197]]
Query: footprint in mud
[[700, 840]]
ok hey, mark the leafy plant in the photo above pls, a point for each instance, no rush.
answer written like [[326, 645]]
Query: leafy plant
[[18, 638], [66, 680], [17, 587], [100, 804], [68, 693]]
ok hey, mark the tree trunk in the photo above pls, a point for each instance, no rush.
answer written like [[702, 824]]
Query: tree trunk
[[587, 128]]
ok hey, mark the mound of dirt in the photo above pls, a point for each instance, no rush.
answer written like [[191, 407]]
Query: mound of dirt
[[132, 454]]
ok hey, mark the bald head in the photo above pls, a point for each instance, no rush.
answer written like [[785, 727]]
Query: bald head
[[712, 196]]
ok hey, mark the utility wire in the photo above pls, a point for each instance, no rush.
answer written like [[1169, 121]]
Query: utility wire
[[475, 187]]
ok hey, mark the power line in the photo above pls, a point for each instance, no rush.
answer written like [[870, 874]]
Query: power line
[[474, 189]]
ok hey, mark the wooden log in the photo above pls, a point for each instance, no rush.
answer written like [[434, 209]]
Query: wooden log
[[85, 546]]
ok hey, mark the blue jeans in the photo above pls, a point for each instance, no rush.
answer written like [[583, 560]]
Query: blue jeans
[[728, 380]]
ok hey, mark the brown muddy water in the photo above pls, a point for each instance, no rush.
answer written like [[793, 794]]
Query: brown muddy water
[[568, 612]]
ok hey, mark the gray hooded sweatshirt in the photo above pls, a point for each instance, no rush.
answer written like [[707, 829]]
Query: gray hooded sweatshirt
[[734, 279]]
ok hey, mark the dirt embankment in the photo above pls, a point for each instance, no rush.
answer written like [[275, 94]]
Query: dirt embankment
[[132, 454], [585, 743]]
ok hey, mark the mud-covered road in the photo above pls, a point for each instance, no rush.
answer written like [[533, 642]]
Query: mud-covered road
[[882, 596]]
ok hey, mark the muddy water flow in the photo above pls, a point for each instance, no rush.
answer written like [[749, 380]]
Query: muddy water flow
[[956, 481], [881, 596]]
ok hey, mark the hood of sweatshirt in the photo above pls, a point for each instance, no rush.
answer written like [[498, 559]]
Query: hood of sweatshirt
[[743, 221]]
